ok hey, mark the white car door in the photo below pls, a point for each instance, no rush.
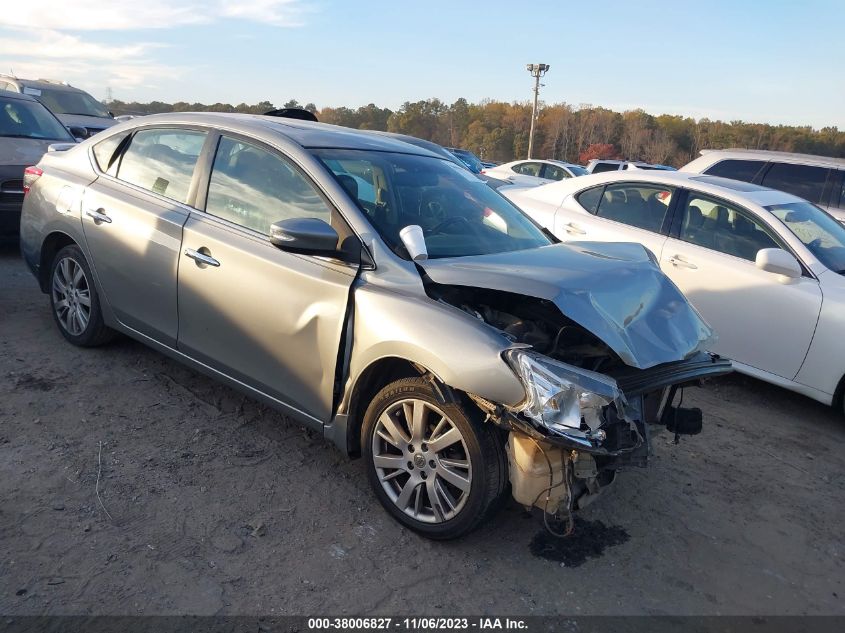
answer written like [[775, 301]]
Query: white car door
[[761, 319], [618, 212]]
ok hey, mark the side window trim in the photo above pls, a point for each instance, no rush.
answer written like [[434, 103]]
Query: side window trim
[[206, 160], [124, 145], [665, 227], [583, 191], [676, 228], [761, 176]]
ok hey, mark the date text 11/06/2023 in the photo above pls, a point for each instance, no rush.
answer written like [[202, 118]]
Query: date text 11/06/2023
[[416, 624]]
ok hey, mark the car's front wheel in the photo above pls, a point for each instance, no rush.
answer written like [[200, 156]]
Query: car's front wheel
[[74, 299], [436, 467]]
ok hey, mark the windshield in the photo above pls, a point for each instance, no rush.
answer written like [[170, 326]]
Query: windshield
[[469, 159], [577, 170], [820, 232], [71, 102], [459, 214], [30, 119]]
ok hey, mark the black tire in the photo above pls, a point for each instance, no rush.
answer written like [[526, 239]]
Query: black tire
[[94, 332], [481, 444]]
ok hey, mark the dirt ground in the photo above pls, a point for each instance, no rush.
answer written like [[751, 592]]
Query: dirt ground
[[213, 504]]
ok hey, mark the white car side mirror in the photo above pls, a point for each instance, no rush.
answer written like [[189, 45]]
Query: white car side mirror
[[778, 261]]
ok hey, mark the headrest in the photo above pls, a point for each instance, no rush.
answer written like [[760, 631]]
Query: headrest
[[696, 217], [349, 184], [743, 225]]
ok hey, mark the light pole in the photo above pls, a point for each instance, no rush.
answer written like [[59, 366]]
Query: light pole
[[537, 71]]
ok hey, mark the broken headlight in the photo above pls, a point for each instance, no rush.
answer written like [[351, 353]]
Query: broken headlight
[[561, 396]]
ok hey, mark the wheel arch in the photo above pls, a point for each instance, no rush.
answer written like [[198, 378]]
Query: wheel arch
[[839, 396], [372, 379], [52, 244]]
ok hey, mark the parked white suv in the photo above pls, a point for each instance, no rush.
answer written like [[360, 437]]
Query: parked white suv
[[599, 165], [819, 179]]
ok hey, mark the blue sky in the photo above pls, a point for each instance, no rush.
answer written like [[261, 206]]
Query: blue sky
[[773, 61]]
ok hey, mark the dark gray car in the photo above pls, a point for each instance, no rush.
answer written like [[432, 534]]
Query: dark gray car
[[27, 129], [75, 108], [377, 293]]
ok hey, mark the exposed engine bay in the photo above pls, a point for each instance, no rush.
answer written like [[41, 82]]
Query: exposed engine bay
[[561, 468], [531, 321]]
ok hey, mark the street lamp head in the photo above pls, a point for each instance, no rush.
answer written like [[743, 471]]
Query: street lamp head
[[538, 70]]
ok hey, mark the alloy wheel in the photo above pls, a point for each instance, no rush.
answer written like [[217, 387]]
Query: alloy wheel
[[71, 296], [422, 461]]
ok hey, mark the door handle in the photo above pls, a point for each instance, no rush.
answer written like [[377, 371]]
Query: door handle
[[574, 229], [677, 260], [202, 259], [98, 215]]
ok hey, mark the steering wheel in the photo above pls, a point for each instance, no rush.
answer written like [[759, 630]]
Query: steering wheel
[[433, 209], [447, 222]]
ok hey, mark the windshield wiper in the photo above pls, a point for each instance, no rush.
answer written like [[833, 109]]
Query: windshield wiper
[[98, 116]]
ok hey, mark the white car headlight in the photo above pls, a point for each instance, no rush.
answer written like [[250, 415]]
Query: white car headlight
[[560, 396]]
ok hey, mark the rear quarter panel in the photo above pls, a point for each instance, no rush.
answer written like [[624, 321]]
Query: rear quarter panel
[[54, 204]]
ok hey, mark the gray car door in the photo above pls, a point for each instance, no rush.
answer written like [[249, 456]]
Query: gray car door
[[133, 221], [268, 318]]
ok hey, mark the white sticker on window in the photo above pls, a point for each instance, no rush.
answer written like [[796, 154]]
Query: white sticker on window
[[35, 92]]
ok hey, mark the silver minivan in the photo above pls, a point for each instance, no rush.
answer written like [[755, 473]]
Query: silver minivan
[[378, 293]]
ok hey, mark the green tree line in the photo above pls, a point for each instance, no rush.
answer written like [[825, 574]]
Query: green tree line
[[498, 131]]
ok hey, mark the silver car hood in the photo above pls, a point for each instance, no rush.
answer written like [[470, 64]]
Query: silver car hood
[[613, 290], [83, 120]]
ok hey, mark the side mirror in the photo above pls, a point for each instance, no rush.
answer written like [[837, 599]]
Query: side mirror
[[311, 236], [78, 132], [779, 262]]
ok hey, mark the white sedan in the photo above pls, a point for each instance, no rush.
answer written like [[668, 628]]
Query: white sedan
[[765, 268], [530, 173]]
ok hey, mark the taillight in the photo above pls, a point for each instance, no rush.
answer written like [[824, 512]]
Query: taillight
[[30, 175]]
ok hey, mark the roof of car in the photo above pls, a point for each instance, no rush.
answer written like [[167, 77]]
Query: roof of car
[[708, 184], [306, 133], [44, 83], [763, 154]]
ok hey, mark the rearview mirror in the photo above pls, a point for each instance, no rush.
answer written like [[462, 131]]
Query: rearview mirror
[[304, 235], [778, 261]]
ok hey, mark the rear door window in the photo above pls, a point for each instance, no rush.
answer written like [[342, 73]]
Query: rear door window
[[105, 153], [554, 172], [640, 205], [744, 170], [528, 169], [162, 161], [590, 198], [804, 181]]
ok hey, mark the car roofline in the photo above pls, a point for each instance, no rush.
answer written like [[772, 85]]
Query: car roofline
[[790, 157], [669, 178], [307, 134]]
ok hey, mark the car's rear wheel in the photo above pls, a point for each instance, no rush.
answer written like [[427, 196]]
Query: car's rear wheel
[[436, 467], [74, 299]]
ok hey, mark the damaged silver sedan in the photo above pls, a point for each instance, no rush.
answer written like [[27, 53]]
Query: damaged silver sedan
[[377, 293]]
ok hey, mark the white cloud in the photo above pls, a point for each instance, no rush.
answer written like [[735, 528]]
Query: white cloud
[[96, 15], [56, 39], [96, 75], [55, 45]]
